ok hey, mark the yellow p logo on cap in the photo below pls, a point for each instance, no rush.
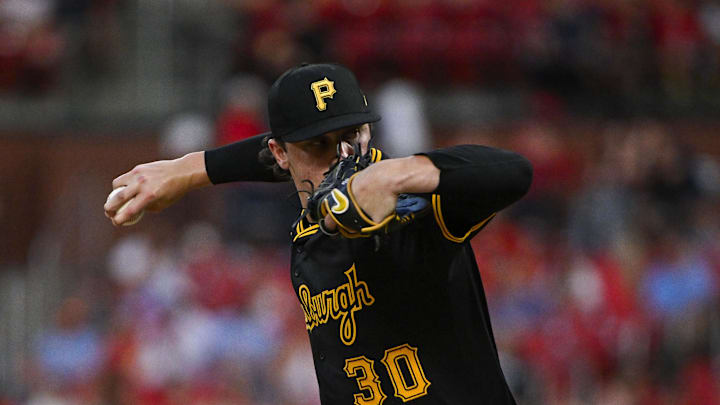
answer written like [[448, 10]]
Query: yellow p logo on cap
[[322, 89]]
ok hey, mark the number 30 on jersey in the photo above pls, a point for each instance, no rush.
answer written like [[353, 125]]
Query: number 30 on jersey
[[403, 367]]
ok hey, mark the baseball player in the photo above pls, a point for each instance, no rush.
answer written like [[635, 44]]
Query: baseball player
[[394, 314]]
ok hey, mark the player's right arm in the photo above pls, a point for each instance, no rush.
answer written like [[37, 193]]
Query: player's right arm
[[156, 185]]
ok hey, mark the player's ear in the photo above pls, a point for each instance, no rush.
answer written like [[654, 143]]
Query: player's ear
[[279, 153]]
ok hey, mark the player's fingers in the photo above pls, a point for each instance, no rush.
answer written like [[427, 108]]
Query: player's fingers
[[364, 138], [113, 202], [117, 199], [345, 149], [123, 179], [134, 208], [330, 223], [138, 174]]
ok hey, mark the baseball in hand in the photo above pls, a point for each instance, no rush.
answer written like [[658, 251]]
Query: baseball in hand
[[131, 221]]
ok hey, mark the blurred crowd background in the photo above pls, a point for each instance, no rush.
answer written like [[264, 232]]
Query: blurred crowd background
[[603, 283]]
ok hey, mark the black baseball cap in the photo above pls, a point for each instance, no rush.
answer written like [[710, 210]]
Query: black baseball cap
[[312, 99]]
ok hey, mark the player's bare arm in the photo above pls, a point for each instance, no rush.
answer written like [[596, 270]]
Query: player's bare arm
[[156, 185]]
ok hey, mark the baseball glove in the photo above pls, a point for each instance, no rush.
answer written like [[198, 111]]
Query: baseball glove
[[334, 196]]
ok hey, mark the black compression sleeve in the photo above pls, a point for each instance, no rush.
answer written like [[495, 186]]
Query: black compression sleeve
[[477, 181], [497, 176], [238, 161]]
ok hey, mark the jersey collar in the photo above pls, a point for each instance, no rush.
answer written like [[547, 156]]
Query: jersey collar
[[302, 228]]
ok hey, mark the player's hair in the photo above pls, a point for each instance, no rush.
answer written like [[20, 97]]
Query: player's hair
[[266, 157]]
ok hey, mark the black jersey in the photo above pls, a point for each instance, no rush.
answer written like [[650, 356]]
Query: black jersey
[[404, 318]]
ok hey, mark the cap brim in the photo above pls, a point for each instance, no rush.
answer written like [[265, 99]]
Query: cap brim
[[330, 124]]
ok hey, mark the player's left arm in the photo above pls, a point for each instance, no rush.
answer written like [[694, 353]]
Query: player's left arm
[[376, 188], [476, 182], [468, 184]]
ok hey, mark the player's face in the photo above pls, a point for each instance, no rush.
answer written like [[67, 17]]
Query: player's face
[[310, 159]]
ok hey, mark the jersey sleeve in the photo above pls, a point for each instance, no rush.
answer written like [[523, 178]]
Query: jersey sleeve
[[238, 161], [475, 183]]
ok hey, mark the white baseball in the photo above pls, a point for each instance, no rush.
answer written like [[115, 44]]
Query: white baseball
[[133, 220]]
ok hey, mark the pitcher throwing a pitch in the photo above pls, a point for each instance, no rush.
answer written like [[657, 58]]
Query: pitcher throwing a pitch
[[381, 261]]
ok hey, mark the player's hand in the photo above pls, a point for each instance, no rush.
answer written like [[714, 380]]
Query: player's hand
[[379, 189], [373, 193], [156, 185]]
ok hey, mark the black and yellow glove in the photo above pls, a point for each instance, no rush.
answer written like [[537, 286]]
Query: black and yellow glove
[[334, 196]]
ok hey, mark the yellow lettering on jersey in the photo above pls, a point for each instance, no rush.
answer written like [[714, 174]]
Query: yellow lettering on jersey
[[322, 89], [339, 303]]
